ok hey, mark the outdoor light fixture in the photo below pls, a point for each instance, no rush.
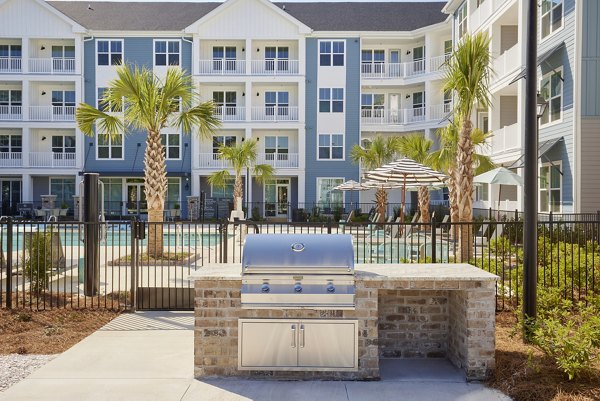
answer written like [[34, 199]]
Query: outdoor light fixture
[[43, 93], [408, 52], [243, 93], [407, 96], [542, 105], [243, 49], [43, 47], [43, 138], [257, 93]]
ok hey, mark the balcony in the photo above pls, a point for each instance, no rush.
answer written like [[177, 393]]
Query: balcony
[[392, 70], [52, 159], [11, 113], [212, 160], [10, 64], [508, 61], [230, 113], [485, 10], [275, 113], [275, 67], [52, 113], [222, 67], [438, 63], [279, 160], [405, 116], [506, 139], [11, 159], [52, 65]]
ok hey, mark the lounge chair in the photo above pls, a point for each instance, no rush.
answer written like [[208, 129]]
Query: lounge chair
[[443, 226], [481, 237]]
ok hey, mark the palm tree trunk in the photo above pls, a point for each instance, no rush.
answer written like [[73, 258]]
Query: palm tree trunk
[[155, 188], [238, 190], [424, 204], [464, 181], [452, 195], [381, 200]]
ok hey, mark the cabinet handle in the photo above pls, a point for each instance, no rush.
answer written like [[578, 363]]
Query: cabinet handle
[[293, 336], [301, 336]]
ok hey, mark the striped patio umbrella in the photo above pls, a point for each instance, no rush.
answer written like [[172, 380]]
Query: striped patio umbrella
[[405, 173], [350, 185]]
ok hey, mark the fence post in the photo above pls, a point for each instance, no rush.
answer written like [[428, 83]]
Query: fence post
[[516, 215], [9, 246], [490, 213], [328, 225], [597, 224], [433, 242], [550, 227], [134, 237], [224, 244], [91, 234]]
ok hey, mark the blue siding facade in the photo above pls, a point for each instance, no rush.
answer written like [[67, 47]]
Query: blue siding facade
[[590, 63]]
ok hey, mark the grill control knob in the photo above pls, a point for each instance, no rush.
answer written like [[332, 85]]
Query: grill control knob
[[265, 288], [298, 287], [330, 287]]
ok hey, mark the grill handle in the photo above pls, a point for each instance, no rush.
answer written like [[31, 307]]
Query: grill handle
[[293, 336], [301, 336]]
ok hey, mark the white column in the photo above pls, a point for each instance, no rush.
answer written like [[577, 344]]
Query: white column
[[195, 183], [302, 149], [25, 99], [301, 189], [430, 99], [248, 57], [302, 56], [248, 135], [430, 51], [27, 188], [248, 102], [26, 145], [196, 55], [79, 51], [25, 55]]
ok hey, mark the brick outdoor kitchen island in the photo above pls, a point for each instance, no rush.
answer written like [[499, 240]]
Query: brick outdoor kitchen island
[[402, 311]]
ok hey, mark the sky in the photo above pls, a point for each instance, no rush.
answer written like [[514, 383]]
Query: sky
[[279, 1]]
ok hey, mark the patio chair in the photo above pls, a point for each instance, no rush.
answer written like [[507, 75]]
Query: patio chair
[[39, 214], [481, 237], [343, 223], [443, 226]]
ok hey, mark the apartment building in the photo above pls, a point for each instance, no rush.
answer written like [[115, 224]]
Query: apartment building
[[307, 80], [568, 54]]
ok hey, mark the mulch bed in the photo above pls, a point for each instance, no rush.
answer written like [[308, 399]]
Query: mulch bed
[[168, 259], [525, 373]]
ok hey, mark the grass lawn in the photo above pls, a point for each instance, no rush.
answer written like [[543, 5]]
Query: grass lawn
[[524, 373]]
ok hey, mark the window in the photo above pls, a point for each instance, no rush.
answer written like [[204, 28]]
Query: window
[[331, 53], [372, 105], [447, 101], [110, 147], [166, 52], [331, 147], [173, 190], [418, 104], [551, 90], [106, 106], [11, 144], [64, 189], [224, 192], [222, 140], [224, 58], [225, 102], [63, 51], [63, 102], [482, 192], [373, 61], [63, 144], [113, 195], [550, 188], [331, 100], [461, 17], [326, 195], [10, 101], [277, 56], [10, 51], [448, 47], [171, 140], [277, 103], [276, 147], [551, 16], [110, 52]]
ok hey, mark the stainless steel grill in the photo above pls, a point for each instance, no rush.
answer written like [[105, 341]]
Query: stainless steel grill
[[298, 271]]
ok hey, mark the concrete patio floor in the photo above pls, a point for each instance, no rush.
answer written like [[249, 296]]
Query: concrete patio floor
[[148, 356]]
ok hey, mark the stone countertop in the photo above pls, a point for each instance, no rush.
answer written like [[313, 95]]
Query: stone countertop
[[372, 272]]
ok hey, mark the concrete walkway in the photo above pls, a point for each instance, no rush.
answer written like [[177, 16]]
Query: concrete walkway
[[148, 356]]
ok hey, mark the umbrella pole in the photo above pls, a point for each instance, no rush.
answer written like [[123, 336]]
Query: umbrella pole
[[499, 200], [403, 201]]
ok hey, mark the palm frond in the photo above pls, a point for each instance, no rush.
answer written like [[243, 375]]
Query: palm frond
[[380, 151], [201, 117], [415, 146], [263, 172], [219, 179], [88, 118]]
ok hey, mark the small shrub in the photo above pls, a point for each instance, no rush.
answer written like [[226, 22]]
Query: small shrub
[[38, 261], [337, 214], [255, 213], [23, 317]]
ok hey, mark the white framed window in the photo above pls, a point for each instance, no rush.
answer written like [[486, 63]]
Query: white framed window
[[551, 87], [63, 143], [418, 99], [225, 103], [11, 143], [277, 103], [551, 18], [11, 101], [223, 192], [277, 57], [373, 61], [64, 189], [276, 147], [331, 147], [222, 140], [331, 53], [461, 18], [63, 103], [482, 192], [105, 106], [173, 192], [109, 52], [327, 197], [447, 101], [224, 58], [171, 140], [166, 52], [331, 100], [550, 187], [372, 104], [109, 147]]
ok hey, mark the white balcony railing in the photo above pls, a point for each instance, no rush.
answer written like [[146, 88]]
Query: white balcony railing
[[279, 160], [506, 139], [508, 61], [52, 65], [222, 67], [11, 113], [275, 113], [52, 113], [439, 111], [405, 116], [11, 159], [10, 64], [393, 70], [211, 160], [275, 67], [438, 63], [51, 159], [485, 10], [227, 113]]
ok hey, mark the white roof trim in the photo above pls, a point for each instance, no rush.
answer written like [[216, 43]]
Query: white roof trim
[[302, 28], [76, 27]]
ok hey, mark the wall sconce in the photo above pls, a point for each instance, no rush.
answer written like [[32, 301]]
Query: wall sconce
[[408, 96], [257, 50], [43, 138], [243, 93], [187, 182], [43, 93], [257, 94], [408, 52], [43, 47], [243, 49]]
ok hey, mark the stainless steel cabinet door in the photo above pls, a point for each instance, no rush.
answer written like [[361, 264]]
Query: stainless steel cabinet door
[[327, 344], [268, 344]]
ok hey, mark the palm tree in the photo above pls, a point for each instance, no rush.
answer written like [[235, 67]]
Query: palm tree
[[379, 152], [240, 157], [416, 147], [468, 75], [444, 159], [139, 101]]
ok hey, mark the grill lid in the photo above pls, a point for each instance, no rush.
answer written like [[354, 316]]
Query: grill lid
[[298, 253]]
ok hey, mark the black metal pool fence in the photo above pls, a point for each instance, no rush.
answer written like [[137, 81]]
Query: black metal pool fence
[[43, 265]]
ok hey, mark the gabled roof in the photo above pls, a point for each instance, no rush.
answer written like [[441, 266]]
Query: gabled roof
[[74, 23], [319, 16]]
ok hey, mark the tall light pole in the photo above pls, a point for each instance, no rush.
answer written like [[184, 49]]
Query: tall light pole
[[530, 189]]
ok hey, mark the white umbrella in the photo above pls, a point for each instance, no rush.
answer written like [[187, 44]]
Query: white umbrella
[[350, 185], [406, 173], [499, 176]]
